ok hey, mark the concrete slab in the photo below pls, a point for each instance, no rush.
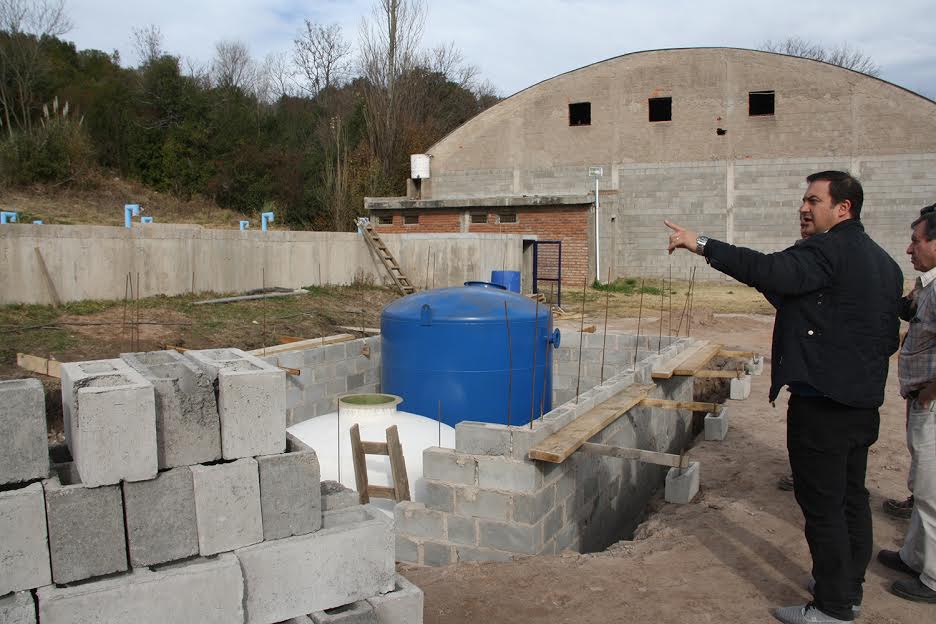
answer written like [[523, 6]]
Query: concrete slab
[[24, 550], [716, 425], [18, 608], [251, 401], [204, 591], [404, 605], [290, 494], [23, 441], [86, 530], [360, 612], [740, 388], [227, 506], [110, 420], [160, 517], [294, 576], [682, 488], [188, 429]]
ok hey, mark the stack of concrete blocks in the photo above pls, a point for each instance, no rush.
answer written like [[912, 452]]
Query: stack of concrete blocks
[[326, 373], [486, 500], [228, 527]]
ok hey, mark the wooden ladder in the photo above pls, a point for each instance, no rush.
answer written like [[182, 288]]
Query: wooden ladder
[[373, 240], [392, 449]]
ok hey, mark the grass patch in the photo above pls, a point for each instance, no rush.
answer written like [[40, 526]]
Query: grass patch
[[626, 286]]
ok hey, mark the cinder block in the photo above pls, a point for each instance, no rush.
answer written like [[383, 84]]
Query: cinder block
[[204, 591], [24, 551], [110, 419], [515, 538], [251, 401], [160, 516], [480, 438], [188, 430], [461, 530], [415, 520], [406, 550], [682, 488], [346, 515], [474, 502], [471, 553], [290, 494], [740, 388], [227, 506], [18, 608], [290, 577], [294, 444], [360, 612], [438, 495], [500, 473], [531, 508], [436, 554], [444, 464], [336, 496], [86, 530], [716, 425], [757, 365], [404, 605], [23, 440]]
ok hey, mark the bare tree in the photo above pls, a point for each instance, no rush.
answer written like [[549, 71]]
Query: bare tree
[[322, 56], [232, 67], [450, 62], [148, 43], [25, 26], [842, 55], [275, 78]]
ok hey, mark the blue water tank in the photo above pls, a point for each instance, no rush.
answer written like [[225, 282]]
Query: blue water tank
[[450, 347], [508, 279]]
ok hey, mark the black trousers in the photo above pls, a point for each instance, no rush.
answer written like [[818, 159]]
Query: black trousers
[[828, 444]]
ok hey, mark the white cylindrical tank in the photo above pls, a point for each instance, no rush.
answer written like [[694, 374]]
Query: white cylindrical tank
[[330, 436], [419, 166]]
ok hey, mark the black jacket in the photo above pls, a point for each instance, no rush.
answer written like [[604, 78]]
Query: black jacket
[[837, 297]]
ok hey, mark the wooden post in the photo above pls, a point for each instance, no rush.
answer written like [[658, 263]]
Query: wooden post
[[397, 465], [360, 465]]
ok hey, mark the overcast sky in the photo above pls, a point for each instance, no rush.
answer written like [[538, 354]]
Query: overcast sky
[[517, 43]]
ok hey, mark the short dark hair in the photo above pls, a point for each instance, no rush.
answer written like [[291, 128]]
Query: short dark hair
[[842, 186], [927, 216]]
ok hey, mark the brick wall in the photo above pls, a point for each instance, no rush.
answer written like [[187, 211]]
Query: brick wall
[[429, 221]]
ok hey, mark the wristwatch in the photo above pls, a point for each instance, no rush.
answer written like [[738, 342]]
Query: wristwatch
[[700, 242]]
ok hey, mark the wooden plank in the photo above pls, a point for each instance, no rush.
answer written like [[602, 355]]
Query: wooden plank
[[40, 365], [718, 374], [695, 406], [698, 361], [310, 343], [380, 491], [360, 466], [560, 445], [647, 457], [292, 293], [397, 465], [375, 448], [666, 369], [737, 354], [366, 330], [50, 285], [289, 339]]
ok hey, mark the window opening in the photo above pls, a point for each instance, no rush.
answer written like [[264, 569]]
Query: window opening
[[479, 217], [661, 109], [760, 103], [385, 219], [580, 114], [508, 217], [411, 219]]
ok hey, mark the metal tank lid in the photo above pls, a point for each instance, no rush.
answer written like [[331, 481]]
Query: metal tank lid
[[475, 302]]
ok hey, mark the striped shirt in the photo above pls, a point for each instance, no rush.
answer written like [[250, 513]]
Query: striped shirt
[[917, 364]]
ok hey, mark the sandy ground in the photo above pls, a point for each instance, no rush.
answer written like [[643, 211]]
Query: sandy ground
[[732, 555]]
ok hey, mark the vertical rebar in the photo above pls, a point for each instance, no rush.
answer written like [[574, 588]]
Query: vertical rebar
[[604, 341], [439, 417], [263, 308], [685, 305], [639, 314], [428, 253], [123, 329], [137, 318], [660, 337], [669, 325], [578, 381], [338, 422], [509, 364], [535, 348], [691, 299]]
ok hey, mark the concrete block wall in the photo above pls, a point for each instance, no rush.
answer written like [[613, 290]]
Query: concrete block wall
[[485, 500], [326, 373]]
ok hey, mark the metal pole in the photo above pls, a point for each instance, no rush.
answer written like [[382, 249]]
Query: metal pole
[[639, 314], [604, 342], [597, 239], [578, 381]]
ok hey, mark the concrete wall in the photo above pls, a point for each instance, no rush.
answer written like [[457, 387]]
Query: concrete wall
[[91, 262]]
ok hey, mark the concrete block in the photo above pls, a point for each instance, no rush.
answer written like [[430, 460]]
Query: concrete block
[[24, 454], [515, 538], [24, 551], [716, 425], [204, 591], [360, 612], [404, 605], [478, 438], [18, 608], [347, 515], [290, 494], [227, 506], [442, 464], [160, 517], [740, 388], [471, 553], [438, 495], [436, 554], [86, 530], [757, 365], [682, 488], [188, 430], [462, 530], [294, 444], [336, 496], [474, 502], [500, 473], [251, 401], [110, 415], [415, 520], [290, 577], [531, 508], [406, 550]]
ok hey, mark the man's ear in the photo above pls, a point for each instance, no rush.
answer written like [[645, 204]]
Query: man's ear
[[847, 205]]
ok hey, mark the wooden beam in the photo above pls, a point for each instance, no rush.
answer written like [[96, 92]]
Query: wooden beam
[[40, 365], [397, 465], [666, 369], [695, 406], [746, 355], [647, 457], [697, 361], [381, 491], [289, 339], [309, 343], [560, 445], [366, 330], [50, 285], [718, 374], [360, 465], [375, 448]]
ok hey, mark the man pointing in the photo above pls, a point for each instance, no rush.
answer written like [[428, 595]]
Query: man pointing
[[835, 328]]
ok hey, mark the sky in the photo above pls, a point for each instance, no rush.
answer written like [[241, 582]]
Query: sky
[[517, 43]]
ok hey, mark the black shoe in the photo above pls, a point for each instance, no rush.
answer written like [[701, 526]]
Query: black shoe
[[914, 589], [898, 508], [892, 560], [785, 483]]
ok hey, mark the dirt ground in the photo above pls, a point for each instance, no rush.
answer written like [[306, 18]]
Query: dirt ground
[[732, 555]]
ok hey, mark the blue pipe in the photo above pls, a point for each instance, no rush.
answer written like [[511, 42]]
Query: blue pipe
[[265, 217], [7, 217], [244, 225], [37, 222], [146, 219], [130, 210]]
